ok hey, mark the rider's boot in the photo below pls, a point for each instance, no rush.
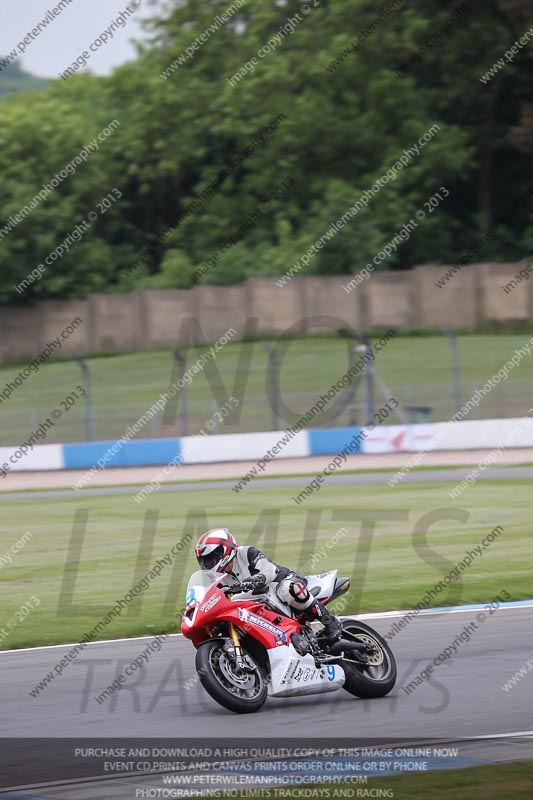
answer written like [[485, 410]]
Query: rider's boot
[[332, 626]]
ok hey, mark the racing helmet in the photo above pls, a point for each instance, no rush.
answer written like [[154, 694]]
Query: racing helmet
[[216, 549]]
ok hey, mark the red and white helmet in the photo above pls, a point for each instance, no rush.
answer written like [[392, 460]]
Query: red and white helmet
[[216, 549]]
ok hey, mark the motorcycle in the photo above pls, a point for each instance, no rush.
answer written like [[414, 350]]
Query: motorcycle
[[250, 646]]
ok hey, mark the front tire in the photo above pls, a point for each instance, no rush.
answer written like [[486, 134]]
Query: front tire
[[240, 691], [377, 678]]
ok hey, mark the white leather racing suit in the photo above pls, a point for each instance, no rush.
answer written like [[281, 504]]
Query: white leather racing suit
[[288, 585]]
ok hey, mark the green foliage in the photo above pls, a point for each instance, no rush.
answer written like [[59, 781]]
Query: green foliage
[[342, 129], [176, 269]]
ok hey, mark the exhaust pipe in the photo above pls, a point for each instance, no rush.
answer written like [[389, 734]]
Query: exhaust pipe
[[342, 645]]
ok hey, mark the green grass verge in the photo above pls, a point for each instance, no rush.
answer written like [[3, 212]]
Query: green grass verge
[[415, 369], [390, 567]]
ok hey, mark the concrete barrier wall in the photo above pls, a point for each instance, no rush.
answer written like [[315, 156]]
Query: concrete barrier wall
[[146, 319]]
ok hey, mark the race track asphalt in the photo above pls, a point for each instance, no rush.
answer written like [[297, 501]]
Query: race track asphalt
[[423, 476], [463, 699]]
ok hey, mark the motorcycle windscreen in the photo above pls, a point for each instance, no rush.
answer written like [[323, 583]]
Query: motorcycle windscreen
[[199, 583]]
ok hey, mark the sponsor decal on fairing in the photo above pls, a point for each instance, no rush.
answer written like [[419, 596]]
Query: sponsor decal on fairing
[[247, 616], [210, 603]]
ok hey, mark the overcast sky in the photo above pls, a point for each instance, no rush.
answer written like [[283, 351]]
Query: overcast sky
[[69, 34]]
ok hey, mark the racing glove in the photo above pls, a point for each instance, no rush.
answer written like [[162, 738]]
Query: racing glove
[[254, 583]]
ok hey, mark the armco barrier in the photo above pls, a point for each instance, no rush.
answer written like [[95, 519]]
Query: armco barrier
[[476, 435]]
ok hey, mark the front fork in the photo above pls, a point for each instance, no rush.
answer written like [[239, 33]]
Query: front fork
[[239, 658]]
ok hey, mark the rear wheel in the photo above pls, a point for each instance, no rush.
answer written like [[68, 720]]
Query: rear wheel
[[242, 690], [377, 676]]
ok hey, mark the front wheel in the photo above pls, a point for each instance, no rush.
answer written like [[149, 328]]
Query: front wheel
[[377, 677], [239, 690]]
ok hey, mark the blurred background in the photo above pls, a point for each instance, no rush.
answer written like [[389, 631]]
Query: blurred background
[[357, 85], [417, 371]]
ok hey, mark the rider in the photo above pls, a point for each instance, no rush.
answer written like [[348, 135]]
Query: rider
[[218, 550]]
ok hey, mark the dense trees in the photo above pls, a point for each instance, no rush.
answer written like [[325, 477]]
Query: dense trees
[[348, 106]]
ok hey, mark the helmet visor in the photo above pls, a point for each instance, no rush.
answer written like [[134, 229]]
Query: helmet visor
[[211, 559]]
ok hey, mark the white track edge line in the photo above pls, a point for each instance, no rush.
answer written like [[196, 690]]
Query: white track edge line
[[373, 615]]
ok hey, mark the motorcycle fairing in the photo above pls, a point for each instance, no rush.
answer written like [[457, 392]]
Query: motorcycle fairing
[[264, 624], [292, 674], [208, 606], [325, 582]]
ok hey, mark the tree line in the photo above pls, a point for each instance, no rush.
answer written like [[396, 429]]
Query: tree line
[[196, 153]]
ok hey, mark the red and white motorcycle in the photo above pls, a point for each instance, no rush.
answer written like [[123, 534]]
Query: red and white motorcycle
[[251, 647]]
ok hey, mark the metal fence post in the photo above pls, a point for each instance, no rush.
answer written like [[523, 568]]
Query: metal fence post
[[181, 361], [87, 405], [367, 375], [456, 378], [272, 383]]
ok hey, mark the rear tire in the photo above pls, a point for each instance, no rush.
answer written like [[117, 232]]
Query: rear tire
[[243, 692], [374, 679]]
